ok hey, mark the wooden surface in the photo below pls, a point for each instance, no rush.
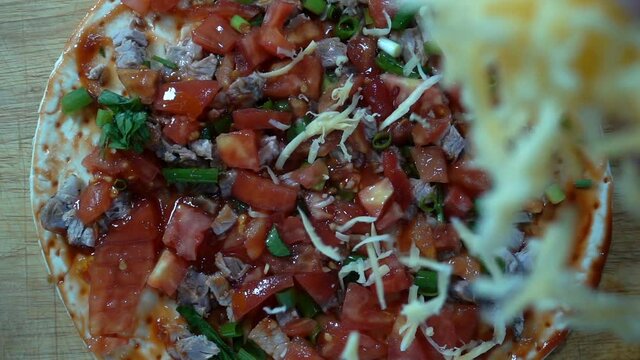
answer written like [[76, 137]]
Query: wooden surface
[[33, 322]]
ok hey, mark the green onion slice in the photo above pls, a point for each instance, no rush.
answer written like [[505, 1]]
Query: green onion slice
[[381, 140], [287, 298], [583, 183], [347, 27], [104, 117], [194, 175], [555, 194], [275, 245], [402, 20], [307, 307], [427, 282], [333, 13], [200, 326], [167, 63], [76, 100], [296, 129], [391, 65], [432, 49], [368, 20], [223, 124], [315, 6], [240, 24], [231, 330], [120, 184]]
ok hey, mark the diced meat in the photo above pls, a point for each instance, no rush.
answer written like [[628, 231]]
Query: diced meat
[[52, 213], [196, 347], [317, 204], [202, 148], [184, 53], [331, 50], [412, 44], [461, 290], [452, 143], [131, 46], [270, 338], [96, 72], [520, 262], [420, 189], [221, 289], [245, 92], [78, 233], [286, 317], [202, 69], [226, 183], [224, 221], [349, 7], [194, 291], [270, 148], [232, 268], [174, 153], [120, 208]]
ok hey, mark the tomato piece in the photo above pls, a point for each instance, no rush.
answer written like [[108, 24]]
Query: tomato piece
[[466, 267], [304, 32], [374, 197], [446, 239], [163, 5], [332, 346], [168, 273], [304, 259], [186, 230], [361, 311], [278, 13], [431, 163], [122, 261], [456, 325], [419, 349], [141, 83], [228, 8], [94, 201], [216, 35], [475, 181], [311, 176], [344, 211], [252, 53], [182, 130], [361, 51], [259, 119], [292, 231], [418, 232], [430, 136], [376, 95], [305, 78], [321, 286], [377, 8], [139, 6], [299, 349], [273, 41], [186, 97], [457, 203], [253, 293], [123, 164], [263, 194], [390, 216], [239, 149], [256, 236], [302, 327], [398, 178], [398, 278]]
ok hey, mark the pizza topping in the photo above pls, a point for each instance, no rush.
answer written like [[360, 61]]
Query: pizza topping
[[131, 47], [196, 347], [270, 337]]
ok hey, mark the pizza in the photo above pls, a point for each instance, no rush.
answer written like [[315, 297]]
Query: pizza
[[278, 179]]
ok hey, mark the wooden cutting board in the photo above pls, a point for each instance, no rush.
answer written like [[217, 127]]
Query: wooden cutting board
[[33, 321]]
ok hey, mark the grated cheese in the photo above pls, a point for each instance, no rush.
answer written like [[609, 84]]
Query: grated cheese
[[405, 107], [358, 266], [274, 311], [285, 69], [328, 251], [341, 94], [351, 223], [350, 351], [373, 239], [377, 273], [379, 32], [278, 125]]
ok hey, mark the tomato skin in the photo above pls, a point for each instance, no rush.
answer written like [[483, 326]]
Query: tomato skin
[[182, 130], [398, 178], [457, 203], [419, 349], [304, 259], [455, 325], [256, 236], [228, 8], [263, 194], [292, 231], [186, 97], [122, 261], [239, 149], [331, 346], [377, 8], [258, 119], [273, 41], [320, 286], [423, 136], [361, 51], [94, 201], [473, 180], [446, 239], [142, 83], [303, 33], [305, 78], [302, 327], [251, 52], [431, 163], [186, 230], [299, 349], [466, 267], [376, 95], [418, 232], [216, 35], [253, 293], [168, 273], [278, 13], [128, 165], [163, 5], [398, 278], [360, 310], [139, 6], [311, 176]]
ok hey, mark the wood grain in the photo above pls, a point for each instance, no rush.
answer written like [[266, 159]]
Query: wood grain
[[33, 322]]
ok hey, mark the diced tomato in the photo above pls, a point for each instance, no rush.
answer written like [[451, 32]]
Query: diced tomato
[[304, 259], [361, 311], [259, 119], [299, 349], [292, 231], [122, 261], [253, 293], [320, 286], [263, 194], [305, 78], [326, 233], [139, 6], [418, 232], [142, 167], [466, 267], [455, 325], [141, 83], [186, 230], [163, 5], [331, 346], [182, 130], [377, 8], [376, 95], [390, 216], [312, 176], [374, 197], [418, 350], [255, 237], [358, 140], [228, 8], [401, 132], [457, 203], [168, 273], [361, 51], [273, 41], [472, 179], [122, 164], [302, 327], [224, 72], [398, 178], [186, 97], [430, 136], [304, 32], [95, 200], [344, 211], [445, 238], [239, 149], [216, 35], [252, 53], [431, 163], [278, 13], [398, 278]]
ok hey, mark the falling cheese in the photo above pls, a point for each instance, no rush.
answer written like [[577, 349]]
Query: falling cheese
[[379, 32], [285, 69], [350, 351], [413, 98]]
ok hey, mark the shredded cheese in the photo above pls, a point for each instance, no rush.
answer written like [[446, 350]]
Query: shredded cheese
[[341, 94], [379, 32], [274, 311], [278, 125], [373, 239], [350, 351], [328, 251], [358, 266], [377, 274], [359, 219], [405, 107], [285, 69]]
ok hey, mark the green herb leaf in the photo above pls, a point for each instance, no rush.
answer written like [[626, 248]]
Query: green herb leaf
[[76, 100], [275, 245], [427, 282], [124, 125], [231, 330], [287, 298]]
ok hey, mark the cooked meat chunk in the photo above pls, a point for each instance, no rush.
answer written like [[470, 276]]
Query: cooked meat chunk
[[78, 233], [118, 210], [202, 69], [330, 51], [317, 205], [194, 291], [268, 335], [96, 72], [131, 46], [224, 221], [412, 44], [220, 288], [270, 148], [203, 148], [242, 93], [420, 189], [452, 143], [184, 53], [287, 317], [232, 268], [226, 183], [196, 347]]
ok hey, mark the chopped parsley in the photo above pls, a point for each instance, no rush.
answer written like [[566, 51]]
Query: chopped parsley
[[126, 127]]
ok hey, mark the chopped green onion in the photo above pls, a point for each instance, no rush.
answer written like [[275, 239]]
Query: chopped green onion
[[408, 165], [245, 355], [296, 129], [282, 105], [120, 184], [434, 203], [432, 49], [207, 133], [368, 20], [347, 27], [555, 194], [333, 13], [167, 63], [147, 64], [427, 282], [390, 47], [76, 100], [391, 65], [287, 298], [238, 206], [200, 326], [102, 52], [254, 350], [315, 6], [307, 307], [381, 140], [402, 21], [275, 245], [240, 24], [245, 2], [583, 184], [193, 175], [223, 124], [352, 276], [346, 195], [104, 117], [257, 20], [314, 335], [231, 330]]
